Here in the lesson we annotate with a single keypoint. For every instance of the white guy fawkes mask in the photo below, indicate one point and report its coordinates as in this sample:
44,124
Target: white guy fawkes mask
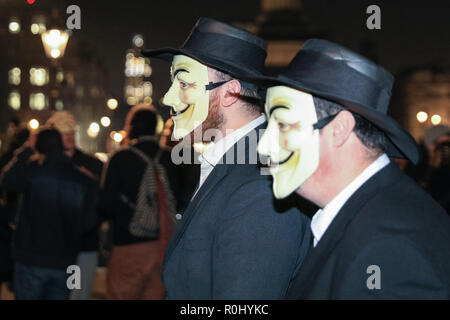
188,96
290,139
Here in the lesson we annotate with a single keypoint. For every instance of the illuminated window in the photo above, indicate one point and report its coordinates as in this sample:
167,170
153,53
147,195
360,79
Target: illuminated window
60,76
14,25
148,88
38,28
14,100
14,76
59,105
38,76
147,70
135,67
38,101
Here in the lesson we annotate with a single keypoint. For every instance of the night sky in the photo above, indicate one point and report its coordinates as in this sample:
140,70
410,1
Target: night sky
414,33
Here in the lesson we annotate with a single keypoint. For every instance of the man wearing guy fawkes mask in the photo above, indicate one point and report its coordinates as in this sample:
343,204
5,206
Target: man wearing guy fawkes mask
377,235
231,242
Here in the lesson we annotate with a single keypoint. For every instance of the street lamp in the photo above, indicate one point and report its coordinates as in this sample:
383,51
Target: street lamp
55,42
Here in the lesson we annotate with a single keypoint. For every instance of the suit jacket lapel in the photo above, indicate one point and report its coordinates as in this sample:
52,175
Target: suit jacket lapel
317,257
216,175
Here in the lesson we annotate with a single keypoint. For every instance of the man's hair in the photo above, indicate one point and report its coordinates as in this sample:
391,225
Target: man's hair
248,96
143,123
370,136
49,141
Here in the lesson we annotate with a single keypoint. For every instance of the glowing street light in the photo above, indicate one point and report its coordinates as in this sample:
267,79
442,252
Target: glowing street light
93,130
14,27
55,42
112,104
33,124
117,137
436,119
422,116
105,121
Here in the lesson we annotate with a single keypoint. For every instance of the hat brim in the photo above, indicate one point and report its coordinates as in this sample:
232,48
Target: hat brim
400,144
233,69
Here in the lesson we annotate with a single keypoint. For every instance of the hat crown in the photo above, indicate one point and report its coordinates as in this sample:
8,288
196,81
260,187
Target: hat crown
209,25
353,60
221,46
342,73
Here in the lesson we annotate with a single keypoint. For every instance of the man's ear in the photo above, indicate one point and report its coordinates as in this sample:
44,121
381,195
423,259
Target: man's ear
342,127
229,92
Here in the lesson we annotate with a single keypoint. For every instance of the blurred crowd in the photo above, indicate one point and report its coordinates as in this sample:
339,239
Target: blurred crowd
60,207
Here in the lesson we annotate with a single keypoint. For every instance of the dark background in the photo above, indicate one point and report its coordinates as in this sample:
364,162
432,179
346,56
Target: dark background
413,33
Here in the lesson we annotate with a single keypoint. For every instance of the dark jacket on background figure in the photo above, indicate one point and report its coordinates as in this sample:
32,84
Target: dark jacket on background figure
57,207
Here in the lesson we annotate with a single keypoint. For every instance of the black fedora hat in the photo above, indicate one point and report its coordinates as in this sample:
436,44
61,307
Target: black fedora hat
335,73
221,46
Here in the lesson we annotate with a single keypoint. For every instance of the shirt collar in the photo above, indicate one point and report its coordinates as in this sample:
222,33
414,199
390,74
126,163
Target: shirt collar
323,217
215,150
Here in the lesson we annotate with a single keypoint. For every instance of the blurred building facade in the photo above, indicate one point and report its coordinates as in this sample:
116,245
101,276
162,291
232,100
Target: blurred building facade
425,98
32,85
138,87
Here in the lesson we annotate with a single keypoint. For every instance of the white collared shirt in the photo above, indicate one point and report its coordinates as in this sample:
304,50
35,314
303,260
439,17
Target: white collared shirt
323,217
215,151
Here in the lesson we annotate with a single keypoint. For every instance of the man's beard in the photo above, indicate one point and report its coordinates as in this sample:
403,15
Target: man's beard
213,123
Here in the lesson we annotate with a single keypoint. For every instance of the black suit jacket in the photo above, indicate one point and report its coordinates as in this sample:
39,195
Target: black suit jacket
390,223
234,241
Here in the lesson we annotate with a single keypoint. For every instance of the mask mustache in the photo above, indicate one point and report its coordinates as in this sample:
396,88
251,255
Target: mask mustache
174,113
271,163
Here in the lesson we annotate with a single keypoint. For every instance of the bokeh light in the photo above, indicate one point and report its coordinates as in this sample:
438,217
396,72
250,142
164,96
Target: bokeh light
422,116
436,119
33,124
105,121
112,103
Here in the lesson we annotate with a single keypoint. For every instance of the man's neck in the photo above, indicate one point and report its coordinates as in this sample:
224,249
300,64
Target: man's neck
325,185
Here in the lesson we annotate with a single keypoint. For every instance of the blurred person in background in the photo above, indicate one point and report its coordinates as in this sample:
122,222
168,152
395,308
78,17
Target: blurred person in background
134,267
8,209
439,181
57,207
65,123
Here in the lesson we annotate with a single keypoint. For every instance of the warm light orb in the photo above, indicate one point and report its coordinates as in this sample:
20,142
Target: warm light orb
94,127
436,119
55,53
112,104
118,137
422,116
33,124
105,121
14,27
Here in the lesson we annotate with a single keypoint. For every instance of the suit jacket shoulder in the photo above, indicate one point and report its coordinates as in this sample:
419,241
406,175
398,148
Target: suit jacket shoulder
390,223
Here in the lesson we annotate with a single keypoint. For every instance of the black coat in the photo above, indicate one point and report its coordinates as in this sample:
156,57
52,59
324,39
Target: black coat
57,207
390,222
234,241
